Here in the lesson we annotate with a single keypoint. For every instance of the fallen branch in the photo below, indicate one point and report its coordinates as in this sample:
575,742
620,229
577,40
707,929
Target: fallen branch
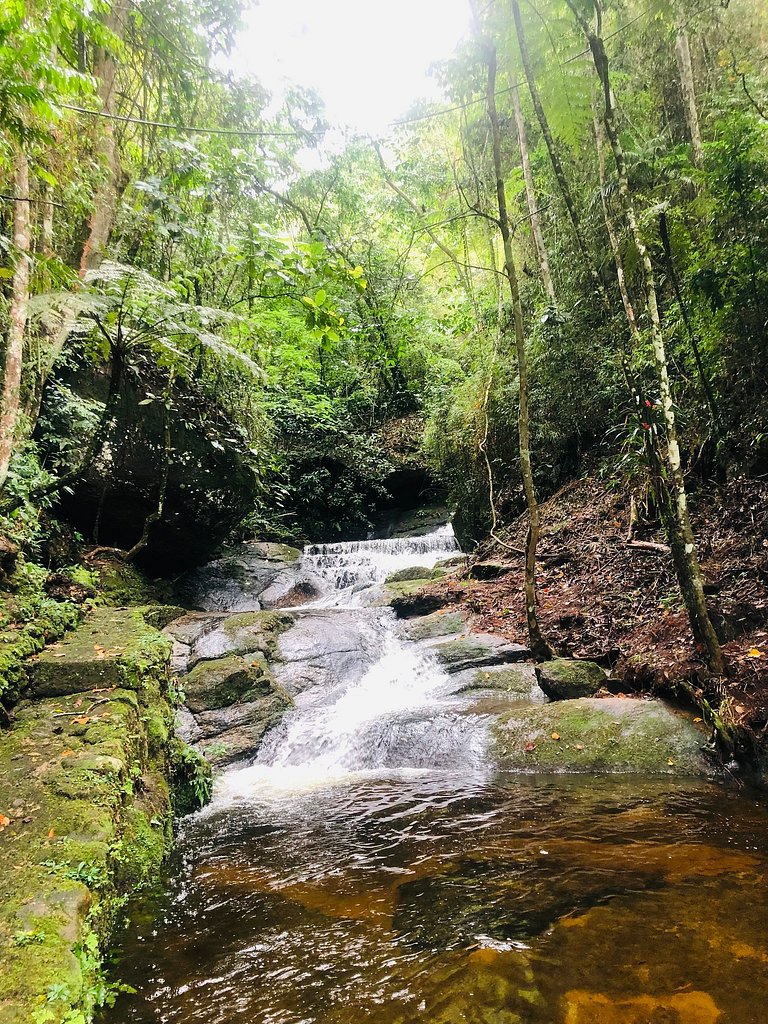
649,545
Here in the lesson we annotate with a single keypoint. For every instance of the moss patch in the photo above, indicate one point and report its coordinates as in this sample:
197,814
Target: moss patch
85,793
593,735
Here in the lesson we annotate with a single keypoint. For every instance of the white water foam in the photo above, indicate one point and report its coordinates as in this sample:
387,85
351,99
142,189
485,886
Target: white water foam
351,729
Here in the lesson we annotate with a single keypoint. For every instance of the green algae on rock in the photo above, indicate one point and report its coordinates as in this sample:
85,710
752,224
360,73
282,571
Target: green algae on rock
607,735
568,679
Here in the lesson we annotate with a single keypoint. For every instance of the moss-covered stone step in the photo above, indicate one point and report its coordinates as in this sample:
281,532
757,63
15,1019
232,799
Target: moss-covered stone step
85,811
613,734
112,647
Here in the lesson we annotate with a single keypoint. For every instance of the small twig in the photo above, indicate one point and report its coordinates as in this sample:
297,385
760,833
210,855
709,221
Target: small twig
80,713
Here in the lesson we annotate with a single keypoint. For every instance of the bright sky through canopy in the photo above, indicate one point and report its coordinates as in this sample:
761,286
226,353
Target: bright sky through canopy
368,59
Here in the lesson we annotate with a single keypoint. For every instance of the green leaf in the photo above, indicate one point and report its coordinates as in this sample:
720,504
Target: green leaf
320,297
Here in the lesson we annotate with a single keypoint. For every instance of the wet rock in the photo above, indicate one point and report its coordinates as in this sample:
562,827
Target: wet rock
478,649
246,578
228,734
323,647
225,681
439,624
568,679
210,637
593,735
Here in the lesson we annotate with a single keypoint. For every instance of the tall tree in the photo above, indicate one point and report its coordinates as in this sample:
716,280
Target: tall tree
539,646
685,66
10,398
530,195
676,513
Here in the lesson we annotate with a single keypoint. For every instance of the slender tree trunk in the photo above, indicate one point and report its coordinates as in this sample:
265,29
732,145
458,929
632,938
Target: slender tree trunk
162,490
683,53
539,647
105,200
10,397
613,237
554,156
676,514
530,195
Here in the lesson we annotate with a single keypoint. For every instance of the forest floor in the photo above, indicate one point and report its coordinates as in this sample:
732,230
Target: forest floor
603,599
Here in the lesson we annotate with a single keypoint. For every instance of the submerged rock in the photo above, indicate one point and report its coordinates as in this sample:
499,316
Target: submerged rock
568,679
593,735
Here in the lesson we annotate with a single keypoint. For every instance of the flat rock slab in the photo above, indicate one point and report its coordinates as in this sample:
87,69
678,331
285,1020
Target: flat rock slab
437,625
517,681
476,650
110,648
601,736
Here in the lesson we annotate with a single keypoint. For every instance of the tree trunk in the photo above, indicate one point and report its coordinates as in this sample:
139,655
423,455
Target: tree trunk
557,166
530,195
10,398
683,53
613,237
105,200
539,647
676,515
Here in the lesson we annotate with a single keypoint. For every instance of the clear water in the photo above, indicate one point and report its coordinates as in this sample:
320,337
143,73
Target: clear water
369,865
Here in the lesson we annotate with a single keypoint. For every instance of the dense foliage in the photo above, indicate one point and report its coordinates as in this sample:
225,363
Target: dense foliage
198,300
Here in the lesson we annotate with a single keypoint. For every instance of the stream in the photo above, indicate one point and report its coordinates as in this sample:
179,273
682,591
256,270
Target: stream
371,863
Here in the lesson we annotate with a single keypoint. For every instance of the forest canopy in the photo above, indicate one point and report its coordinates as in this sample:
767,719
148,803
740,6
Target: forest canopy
563,262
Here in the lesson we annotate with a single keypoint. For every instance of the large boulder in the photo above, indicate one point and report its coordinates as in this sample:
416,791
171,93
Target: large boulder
248,577
567,679
600,735
212,479
325,647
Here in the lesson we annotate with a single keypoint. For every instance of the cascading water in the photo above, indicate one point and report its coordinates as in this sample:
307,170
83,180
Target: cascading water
370,865
372,723
351,568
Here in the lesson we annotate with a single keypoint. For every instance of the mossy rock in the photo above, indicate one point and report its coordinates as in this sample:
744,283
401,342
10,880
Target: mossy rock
242,633
593,735
438,624
112,647
519,680
225,681
413,572
568,679
408,600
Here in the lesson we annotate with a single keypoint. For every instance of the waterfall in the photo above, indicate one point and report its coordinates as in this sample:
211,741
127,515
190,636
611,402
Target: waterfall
374,722
350,567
